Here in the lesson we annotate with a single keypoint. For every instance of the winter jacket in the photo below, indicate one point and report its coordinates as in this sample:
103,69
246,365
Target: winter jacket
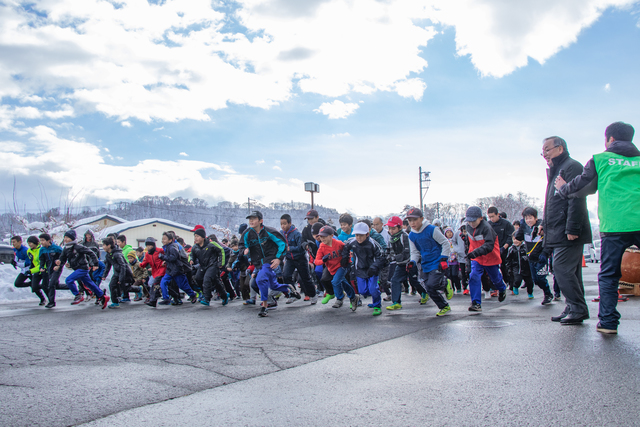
588,182
125,250
504,230
48,256
293,239
483,244
343,237
210,254
22,259
428,247
121,268
175,263
138,271
534,242
34,258
98,273
92,243
76,255
334,253
518,261
400,248
158,269
564,216
459,246
378,238
366,255
264,246
308,237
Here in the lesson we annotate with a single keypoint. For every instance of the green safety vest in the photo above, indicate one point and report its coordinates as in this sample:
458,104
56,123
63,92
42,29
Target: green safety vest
618,192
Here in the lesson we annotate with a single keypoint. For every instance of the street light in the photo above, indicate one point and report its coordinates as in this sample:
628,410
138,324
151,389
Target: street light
311,187
425,183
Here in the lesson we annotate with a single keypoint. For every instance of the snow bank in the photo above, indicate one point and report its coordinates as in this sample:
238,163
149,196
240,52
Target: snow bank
9,293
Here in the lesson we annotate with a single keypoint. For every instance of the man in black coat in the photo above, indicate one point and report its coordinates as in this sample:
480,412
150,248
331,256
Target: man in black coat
566,230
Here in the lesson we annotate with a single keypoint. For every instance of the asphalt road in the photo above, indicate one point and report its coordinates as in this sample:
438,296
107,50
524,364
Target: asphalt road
314,365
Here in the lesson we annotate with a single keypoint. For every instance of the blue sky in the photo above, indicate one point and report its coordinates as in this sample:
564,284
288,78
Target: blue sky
261,96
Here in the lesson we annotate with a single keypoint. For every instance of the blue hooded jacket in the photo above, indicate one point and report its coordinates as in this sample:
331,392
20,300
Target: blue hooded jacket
294,243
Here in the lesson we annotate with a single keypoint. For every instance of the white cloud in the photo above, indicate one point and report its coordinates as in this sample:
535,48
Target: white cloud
278,162
166,136
126,124
500,36
411,88
607,87
277,168
337,109
340,135
157,129
184,154
259,162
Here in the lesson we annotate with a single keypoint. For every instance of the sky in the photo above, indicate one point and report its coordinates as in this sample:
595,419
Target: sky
104,101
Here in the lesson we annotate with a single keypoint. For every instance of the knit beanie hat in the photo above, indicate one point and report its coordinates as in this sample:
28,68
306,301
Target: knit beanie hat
200,232
71,234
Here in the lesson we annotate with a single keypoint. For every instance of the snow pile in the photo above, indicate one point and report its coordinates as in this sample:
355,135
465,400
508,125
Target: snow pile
9,293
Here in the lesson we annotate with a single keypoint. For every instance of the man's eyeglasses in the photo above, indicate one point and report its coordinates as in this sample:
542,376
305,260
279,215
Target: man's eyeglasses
547,151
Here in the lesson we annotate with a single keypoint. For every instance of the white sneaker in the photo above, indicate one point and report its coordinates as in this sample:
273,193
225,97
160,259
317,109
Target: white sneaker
487,295
314,299
291,299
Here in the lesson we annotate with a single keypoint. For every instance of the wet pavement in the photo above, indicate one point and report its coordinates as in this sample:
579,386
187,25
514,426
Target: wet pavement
315,365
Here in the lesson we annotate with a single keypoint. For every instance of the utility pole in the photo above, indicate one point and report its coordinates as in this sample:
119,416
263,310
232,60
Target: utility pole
425,183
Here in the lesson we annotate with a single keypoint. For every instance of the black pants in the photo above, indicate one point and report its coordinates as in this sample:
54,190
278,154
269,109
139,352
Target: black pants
208,280
302,266
34,283
245,280
117,289
433,283
464,275
228,286
528,281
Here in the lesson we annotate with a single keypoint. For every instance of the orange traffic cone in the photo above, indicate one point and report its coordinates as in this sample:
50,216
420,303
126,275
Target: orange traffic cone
584,264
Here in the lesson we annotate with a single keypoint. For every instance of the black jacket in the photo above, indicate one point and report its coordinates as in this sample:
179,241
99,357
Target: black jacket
308,237
365,256
121,268
77,255
517,260
528,235
208,255
176,265
263,247
504,229
564,216
400,248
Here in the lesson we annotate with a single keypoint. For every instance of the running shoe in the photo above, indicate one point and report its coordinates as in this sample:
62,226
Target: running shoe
516,291
307,298
164,302
125,300
50,305
387,298
475,307
337,304
604,330
327,298
272,305
104,300
353,302
424,297
502,295
294,293
557,297
250,301
194,298
377,311
78,299
449,289
487,295
226,300
465,292
114,305
494,293
151,303
530,296
205,302
547,299
314,299
396,306
263,312
443,311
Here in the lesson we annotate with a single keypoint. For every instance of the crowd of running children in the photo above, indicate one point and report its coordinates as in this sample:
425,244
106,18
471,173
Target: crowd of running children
363,259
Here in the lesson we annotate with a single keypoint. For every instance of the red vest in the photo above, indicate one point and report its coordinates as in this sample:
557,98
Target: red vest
492,258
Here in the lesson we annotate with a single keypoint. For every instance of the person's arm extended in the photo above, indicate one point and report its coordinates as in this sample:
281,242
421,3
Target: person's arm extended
581,185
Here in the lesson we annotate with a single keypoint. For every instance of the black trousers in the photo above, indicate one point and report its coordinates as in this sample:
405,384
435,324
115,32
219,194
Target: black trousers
208,280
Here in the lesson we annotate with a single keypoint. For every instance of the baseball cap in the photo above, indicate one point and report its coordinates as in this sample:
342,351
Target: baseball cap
394,221
473,213
197,227
326,231
414,213
315,228
361,228
255,214
311,214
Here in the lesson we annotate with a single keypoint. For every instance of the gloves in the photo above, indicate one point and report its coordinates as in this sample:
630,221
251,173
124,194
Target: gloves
372,271
326,258
410,266
472,255
344,262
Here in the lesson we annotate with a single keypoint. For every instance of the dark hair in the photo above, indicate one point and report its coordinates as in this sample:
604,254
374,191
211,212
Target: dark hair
405,222
530,211
45,236
225,240
345,218
492,210
620,131
112,235
169,235
366,221
139,249
180,240
33,239
122,238
557,142
286,217
214,238
516,223
109,242
17,238
503,215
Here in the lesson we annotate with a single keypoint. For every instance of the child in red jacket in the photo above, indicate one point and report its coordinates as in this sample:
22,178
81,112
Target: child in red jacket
330,254
158,270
